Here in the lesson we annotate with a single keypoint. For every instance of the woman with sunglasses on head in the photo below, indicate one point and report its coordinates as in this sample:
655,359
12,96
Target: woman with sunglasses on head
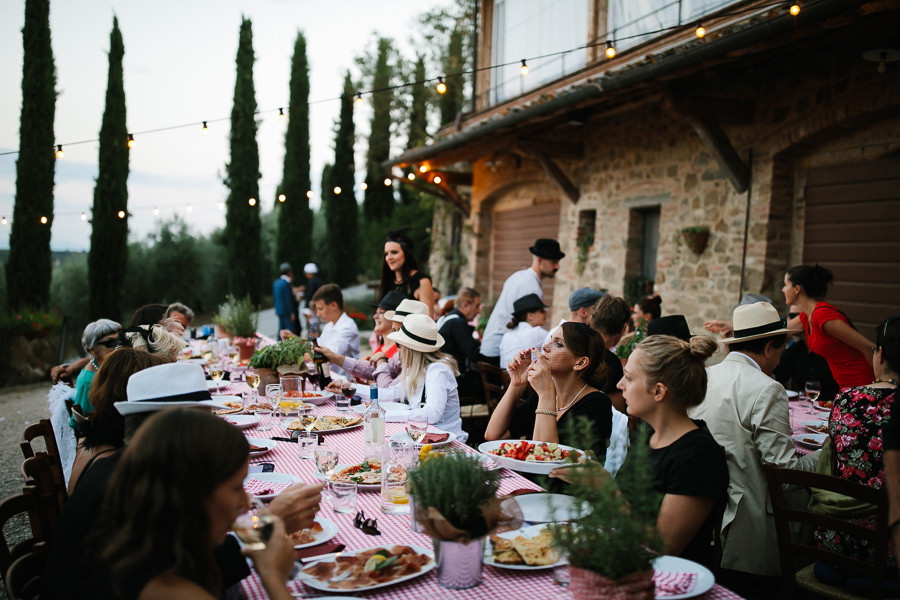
400,270
829,332
567,379
98,340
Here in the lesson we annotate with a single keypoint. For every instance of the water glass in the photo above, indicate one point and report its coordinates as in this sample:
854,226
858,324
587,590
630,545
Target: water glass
273,396
342,400
307,442
254,527
343,497
326,459
417,423
265,418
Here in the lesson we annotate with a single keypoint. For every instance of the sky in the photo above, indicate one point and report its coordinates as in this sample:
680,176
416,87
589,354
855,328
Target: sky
179,68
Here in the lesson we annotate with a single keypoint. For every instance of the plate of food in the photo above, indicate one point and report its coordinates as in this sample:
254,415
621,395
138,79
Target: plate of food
367,475
674,565
547,508
330,423
242,421
322,530
816,426
526,549
811,440
266,486
259,446
823,405
316,397
529,456
434,437
368,569
233,405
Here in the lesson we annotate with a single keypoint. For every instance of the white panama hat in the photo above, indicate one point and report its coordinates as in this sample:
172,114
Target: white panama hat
754,321
418,332
405,308
167,386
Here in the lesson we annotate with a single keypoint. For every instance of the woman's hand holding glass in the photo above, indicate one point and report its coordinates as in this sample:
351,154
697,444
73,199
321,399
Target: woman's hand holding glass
540,379
518,368
274,561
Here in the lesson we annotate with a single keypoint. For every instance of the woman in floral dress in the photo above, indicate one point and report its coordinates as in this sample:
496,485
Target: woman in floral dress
855,428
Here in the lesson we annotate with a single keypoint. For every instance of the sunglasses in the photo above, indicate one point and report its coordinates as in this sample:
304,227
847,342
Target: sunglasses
368,526
111,344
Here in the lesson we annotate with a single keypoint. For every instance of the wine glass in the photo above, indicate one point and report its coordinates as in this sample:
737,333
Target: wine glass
252,380
254,527
417,423
326,459
273,396
307,417
217,372
813,389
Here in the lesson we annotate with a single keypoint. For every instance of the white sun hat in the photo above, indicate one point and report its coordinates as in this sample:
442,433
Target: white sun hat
418,332
167,386
754,321
405,308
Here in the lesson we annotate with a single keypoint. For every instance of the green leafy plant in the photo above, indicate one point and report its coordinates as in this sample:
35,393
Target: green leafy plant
629,343
238,317
456,485
609,523
30,322
286,352
585,243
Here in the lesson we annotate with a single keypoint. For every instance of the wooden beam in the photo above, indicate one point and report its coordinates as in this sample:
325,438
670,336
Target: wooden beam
441,190
559,177
723,110
716,141
550,148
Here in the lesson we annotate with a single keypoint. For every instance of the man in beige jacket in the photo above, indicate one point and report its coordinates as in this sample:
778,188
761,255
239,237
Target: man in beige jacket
747,413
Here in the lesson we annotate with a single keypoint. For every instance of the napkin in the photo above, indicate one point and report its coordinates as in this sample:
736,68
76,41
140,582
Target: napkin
257,487
523,491
435,438
670,583
254,448
326,548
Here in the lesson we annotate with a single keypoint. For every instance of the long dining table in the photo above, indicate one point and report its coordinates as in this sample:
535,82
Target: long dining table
497,583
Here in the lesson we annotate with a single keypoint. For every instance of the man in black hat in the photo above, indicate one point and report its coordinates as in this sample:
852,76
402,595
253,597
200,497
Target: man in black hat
546,255
283,295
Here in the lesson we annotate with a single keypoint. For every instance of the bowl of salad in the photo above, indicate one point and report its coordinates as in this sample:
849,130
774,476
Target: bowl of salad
529,456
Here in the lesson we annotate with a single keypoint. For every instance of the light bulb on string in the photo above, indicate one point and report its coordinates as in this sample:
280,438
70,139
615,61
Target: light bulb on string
441,86
59,152
411,176
84,216
155,210
524,70
221,205
252,201
282,197
309,193
281,115
131,140
423,168
359,98
794,9
3,221
121,214
700,30
387,182
43,220
610,50
364,186
437,179
205,128
337,190
189,208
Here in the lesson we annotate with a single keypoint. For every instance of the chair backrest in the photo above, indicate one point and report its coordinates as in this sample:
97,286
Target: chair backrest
494,381
11,507
23,577
42,475
785,514
41,429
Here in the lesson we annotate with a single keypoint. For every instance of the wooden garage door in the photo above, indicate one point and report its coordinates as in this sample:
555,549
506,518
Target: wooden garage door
515,232
852,219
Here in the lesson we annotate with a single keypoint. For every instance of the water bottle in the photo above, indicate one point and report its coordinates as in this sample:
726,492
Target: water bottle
373,429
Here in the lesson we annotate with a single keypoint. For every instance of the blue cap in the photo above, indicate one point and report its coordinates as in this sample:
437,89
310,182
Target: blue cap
584,297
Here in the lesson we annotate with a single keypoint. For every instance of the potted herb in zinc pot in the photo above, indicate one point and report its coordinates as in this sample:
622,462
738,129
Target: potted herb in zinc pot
287,357
238,317
455,502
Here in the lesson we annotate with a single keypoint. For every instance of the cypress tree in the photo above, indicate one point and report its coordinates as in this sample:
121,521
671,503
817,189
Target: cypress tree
108,258
341,209
418,115
242,224
451,102
379,198
29,266
294,234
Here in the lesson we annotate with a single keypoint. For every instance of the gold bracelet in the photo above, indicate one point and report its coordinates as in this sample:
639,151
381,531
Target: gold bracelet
544,411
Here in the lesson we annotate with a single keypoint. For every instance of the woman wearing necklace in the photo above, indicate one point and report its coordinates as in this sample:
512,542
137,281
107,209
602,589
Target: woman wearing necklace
566,379
98,339
855,427
400,270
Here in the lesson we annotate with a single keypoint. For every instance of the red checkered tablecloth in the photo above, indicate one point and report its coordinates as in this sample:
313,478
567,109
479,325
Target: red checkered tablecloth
496,583
801,410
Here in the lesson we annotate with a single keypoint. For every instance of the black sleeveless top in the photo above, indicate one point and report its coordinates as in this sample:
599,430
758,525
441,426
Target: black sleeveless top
407,288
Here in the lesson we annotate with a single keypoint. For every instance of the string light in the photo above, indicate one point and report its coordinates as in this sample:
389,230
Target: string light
281,115
121,214
411,176
59,152
441,86
309,193
337,190
700,31
205,128
437,179
359,98
365,186
282,197
84,216
155,210
423,168
131,140
221,205
187,208
43,220
3,221
795,8
387,182
524,70
610,51
252,201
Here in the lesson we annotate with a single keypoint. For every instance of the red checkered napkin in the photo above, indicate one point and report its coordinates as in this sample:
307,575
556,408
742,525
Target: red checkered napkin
669,583
257,487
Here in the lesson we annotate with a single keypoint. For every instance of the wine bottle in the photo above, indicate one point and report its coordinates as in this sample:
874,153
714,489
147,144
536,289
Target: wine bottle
373,428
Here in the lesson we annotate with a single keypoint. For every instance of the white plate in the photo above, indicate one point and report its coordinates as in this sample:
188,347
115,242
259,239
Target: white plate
792,395
329,530
818,407
547,508
403,436
487,462
242,421
363,487
534,467
323,586
261,442
801,438
674,564
319,398
272,478
288,420
811,425
529,532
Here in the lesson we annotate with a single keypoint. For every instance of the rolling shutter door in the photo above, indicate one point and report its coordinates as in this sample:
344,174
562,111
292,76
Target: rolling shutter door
515,232
852,219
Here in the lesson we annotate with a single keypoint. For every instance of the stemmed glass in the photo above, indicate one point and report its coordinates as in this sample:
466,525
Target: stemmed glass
326,460
273,397
254,527
813,389
307,417
417,423
252,380
217,372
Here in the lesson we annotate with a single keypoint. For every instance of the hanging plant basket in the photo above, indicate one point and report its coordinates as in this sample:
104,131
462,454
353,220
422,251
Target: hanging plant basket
695,238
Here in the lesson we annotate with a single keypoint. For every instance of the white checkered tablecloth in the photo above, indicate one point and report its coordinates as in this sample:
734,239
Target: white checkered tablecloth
496,583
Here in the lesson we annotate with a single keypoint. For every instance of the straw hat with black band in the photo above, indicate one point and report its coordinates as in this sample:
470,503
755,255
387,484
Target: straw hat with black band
754,321
418,332
167,386
405,308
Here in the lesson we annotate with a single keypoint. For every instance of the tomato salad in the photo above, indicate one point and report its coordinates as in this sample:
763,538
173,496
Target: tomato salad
541,452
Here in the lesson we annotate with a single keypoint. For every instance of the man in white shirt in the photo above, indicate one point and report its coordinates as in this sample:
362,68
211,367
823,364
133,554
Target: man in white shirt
340,333
544,265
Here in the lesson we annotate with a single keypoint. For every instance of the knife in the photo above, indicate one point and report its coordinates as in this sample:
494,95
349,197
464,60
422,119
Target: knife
284,439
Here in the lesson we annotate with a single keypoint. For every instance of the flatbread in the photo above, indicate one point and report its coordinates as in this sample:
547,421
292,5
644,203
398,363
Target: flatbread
535,551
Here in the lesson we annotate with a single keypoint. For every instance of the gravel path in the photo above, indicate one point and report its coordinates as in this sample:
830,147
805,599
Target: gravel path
19,406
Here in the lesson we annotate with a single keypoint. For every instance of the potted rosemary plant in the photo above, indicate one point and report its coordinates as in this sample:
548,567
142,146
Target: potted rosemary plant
287,357
455,502
238,317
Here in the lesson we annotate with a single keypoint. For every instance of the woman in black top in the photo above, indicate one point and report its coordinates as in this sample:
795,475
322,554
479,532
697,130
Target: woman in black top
567,379
400,271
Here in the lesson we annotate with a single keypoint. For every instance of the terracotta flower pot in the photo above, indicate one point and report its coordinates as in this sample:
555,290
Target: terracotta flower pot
587,585
266,376
696,240
245,347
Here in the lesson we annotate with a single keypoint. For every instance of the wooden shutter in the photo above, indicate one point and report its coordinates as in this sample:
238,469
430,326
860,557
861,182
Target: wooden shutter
515,232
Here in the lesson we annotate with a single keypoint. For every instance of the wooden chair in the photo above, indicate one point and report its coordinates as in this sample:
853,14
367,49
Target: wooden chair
49,486
42,429
789,549
12,507
494,380
23,577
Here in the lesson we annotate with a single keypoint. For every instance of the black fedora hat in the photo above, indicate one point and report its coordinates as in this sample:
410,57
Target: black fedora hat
547,248
528,303
675,325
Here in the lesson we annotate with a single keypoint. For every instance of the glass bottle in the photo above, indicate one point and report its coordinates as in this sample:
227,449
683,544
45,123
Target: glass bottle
373,428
